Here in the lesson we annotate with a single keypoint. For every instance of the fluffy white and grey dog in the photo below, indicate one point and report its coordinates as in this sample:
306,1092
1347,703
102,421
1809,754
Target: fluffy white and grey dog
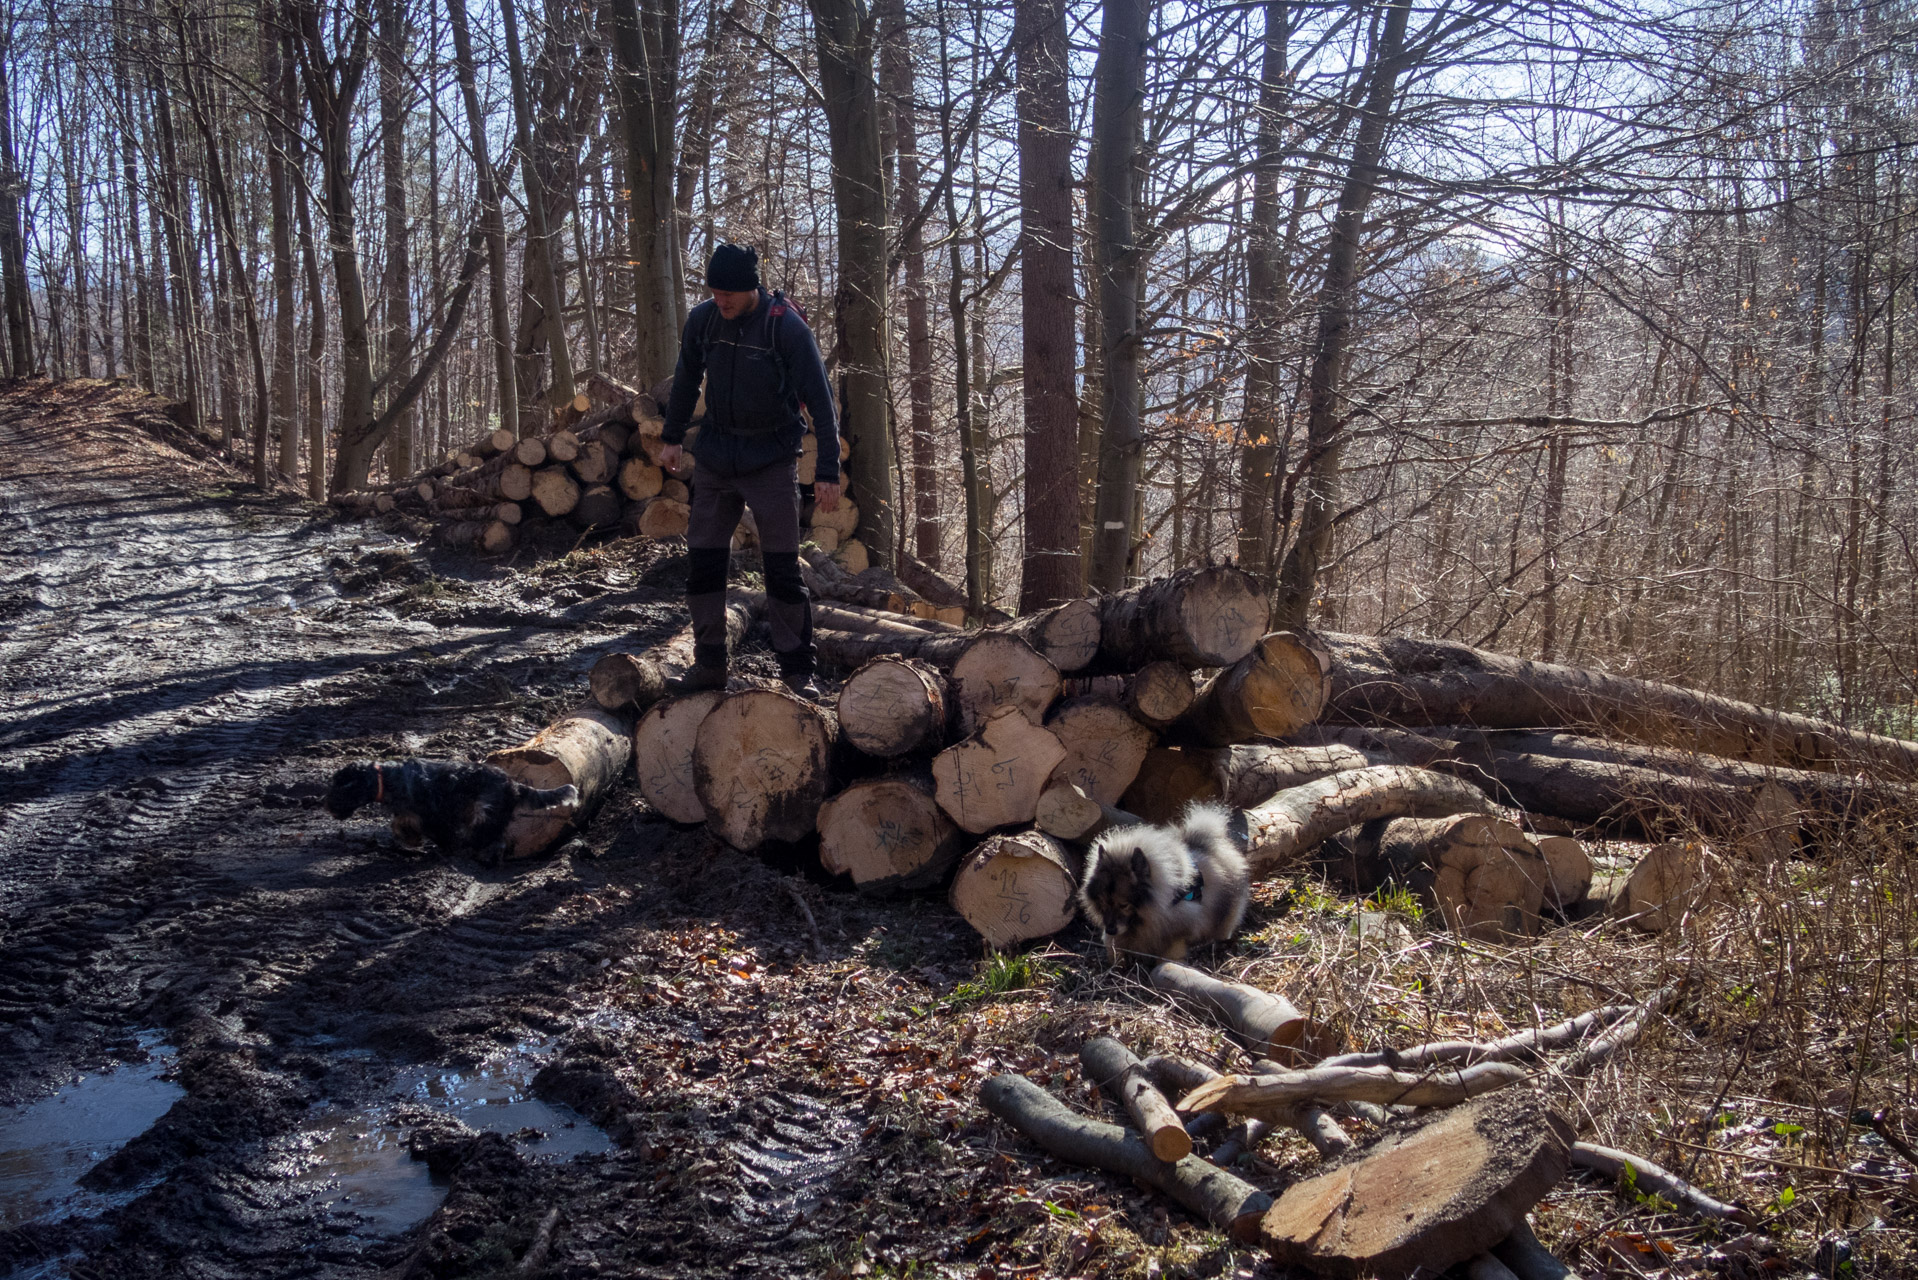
1156,890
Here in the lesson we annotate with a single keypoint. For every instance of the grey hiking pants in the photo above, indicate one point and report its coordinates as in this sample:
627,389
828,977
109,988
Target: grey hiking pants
718,502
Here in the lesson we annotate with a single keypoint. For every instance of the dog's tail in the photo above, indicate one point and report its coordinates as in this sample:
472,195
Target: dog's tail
1205,826
566,797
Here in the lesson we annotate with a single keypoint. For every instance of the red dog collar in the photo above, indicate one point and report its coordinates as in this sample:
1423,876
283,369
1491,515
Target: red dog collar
379,776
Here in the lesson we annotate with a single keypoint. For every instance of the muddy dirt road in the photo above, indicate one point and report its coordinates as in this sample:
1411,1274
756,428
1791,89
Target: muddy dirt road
325,1057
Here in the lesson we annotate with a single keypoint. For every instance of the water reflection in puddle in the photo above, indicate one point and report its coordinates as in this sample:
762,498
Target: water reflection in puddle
359,1163
46,1146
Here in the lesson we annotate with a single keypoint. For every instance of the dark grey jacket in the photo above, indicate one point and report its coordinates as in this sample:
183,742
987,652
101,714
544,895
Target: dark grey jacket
758,371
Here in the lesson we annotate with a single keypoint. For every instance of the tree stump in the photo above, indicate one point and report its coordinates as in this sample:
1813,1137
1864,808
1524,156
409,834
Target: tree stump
663,745
1104,746
893,707
1425,1200
762,764
889,834
994,778
1275,690
1017,887
999,670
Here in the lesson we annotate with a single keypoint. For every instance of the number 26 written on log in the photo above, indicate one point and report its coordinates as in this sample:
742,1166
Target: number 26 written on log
1018,906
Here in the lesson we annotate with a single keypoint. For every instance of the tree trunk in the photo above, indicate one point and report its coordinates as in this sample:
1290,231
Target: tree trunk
646,59
663,743
1299,819
277,73
1338,295
1422,682
998,671
1018,887
1268,1025
1268,285
1219,1198
889,834
762,764
492,220
847,39
621,680
1104,746
1115,1072
893,707
1051,570
540,242
1482,875
396,290
13,243
994,778
1275,690
588,749
1116,175
1198,617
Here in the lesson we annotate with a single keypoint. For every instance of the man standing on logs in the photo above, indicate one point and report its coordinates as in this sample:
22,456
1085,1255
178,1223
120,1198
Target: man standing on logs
760,364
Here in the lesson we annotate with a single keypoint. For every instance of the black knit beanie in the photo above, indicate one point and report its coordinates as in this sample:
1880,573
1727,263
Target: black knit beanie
734,269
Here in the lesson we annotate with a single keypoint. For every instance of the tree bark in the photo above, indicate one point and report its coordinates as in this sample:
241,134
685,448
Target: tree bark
1267,1024
540,241
1338,296
1406,682
1299,819
492,220
588,749
1051,571
847,39
396,290
1117,1074
646,59
1115,179
1268,289
1208,617
621,680
1275,690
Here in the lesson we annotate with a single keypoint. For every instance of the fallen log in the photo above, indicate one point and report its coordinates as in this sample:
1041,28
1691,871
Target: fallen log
1226,1202
1170,778
1104,746
1527,1259
762,765
1067,634
1179,1076
1117,1074
1201,617
998,670
1268,1025
599,506
1427,1200
1641,1177
1276,689
994,778
1482,874
1671,881
640,479
1016,888
889,834
1156,694
1527,1045
1405,682
1568,872
596,463
623,680
1298,820
489,536
1254,773
927,583
1066,812
588,748
663,744
562,446
555,491
1271,1095
892,707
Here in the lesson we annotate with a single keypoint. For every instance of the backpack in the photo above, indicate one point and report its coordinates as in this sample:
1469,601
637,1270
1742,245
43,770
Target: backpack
780,305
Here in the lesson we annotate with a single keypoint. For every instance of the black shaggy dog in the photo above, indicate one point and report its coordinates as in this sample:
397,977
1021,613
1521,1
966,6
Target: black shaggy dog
462,808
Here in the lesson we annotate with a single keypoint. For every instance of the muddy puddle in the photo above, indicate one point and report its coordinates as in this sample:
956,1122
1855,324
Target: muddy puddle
46,1146
356,1161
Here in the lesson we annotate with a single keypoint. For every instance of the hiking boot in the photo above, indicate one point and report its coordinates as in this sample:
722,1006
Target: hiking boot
801,683
700,677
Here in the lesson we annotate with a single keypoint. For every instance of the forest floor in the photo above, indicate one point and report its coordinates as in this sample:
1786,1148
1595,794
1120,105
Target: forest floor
647,1055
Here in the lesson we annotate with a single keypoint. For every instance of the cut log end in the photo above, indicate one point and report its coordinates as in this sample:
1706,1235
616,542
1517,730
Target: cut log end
994,779
894,707
1016,888
762,765
663,745
888,834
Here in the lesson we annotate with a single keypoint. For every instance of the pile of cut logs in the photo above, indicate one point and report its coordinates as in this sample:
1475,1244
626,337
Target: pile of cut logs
598,468
985,760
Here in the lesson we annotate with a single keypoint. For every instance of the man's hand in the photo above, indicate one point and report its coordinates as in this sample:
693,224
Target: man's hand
670,455
825,495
